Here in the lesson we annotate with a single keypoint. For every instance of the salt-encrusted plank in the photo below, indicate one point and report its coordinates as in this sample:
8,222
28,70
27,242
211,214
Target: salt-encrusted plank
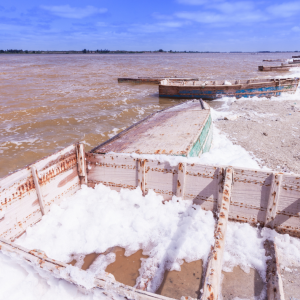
18,193
115,171
273,200
273,278
288,210
19,202
60,186
162,178
81,163
142,174
38,189
58,269
181,171
202,184
250,195
212,281
55,158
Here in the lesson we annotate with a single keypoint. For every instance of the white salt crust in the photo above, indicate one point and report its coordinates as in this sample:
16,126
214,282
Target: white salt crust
244,244
94,220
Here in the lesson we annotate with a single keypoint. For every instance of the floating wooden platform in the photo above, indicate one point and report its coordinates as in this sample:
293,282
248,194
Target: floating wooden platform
155,80
184,129
211,90
253,196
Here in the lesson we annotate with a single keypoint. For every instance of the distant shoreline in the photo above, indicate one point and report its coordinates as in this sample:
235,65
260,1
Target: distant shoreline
136,52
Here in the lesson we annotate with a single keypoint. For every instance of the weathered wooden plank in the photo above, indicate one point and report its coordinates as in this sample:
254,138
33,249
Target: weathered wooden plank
202,185
55,158
273,200
58,269
212,281
115,171
18,194
162,178
81,163
38,189
181,180
250,195
273,278
142,174
60,186
287,219
18,200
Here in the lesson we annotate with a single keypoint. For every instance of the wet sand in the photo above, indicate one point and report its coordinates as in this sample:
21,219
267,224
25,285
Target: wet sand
270,129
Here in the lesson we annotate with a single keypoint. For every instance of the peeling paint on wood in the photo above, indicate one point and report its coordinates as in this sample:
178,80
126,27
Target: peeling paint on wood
211,90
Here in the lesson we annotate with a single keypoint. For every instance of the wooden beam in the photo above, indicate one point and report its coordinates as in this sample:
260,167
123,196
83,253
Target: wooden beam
181,180
212,281
273,200
81,163
142,174
38,189
274,281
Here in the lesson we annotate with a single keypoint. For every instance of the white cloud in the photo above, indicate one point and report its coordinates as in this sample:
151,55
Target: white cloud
296,29
286,9
156,27
66,11
207,17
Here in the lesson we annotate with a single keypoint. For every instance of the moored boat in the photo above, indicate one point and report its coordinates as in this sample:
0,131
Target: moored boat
211,90
274,68
258,197
184,129
155,80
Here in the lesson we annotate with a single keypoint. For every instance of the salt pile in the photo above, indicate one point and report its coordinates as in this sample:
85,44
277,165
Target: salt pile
93,220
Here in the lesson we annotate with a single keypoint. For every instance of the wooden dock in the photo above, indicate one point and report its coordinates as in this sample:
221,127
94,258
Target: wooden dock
184,129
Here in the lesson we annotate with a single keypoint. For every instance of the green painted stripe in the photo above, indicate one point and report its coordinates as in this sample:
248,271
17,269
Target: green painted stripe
203,143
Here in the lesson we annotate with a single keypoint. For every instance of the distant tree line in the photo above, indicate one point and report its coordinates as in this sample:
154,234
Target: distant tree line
106,51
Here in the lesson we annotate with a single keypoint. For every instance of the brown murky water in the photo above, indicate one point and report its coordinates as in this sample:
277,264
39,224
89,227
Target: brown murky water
175,284
50,101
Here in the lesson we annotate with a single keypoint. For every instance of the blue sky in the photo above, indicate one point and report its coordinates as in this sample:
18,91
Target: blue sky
202,25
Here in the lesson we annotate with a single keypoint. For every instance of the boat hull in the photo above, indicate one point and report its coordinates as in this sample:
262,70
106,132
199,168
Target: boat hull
182,130
154,80
269,89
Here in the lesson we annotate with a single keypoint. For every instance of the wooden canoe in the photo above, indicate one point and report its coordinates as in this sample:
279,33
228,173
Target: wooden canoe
238,194
184,129
211,90
294,61
272,60
291,65
274,68
155,80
